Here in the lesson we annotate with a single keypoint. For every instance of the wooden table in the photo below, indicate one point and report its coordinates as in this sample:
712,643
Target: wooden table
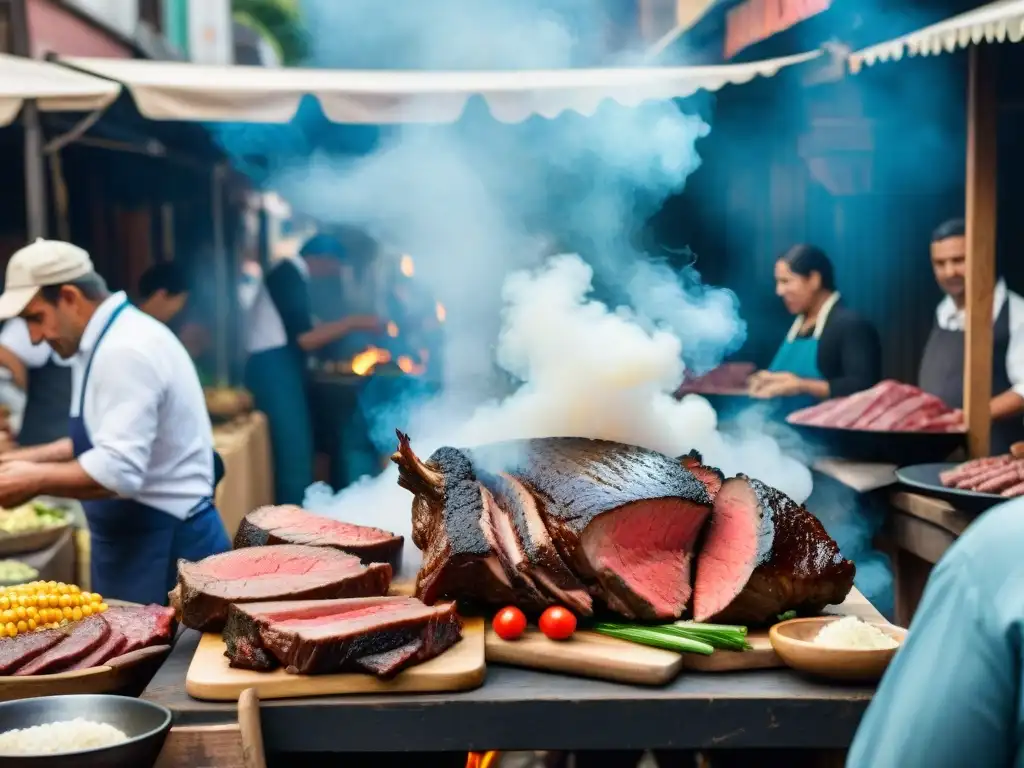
519,709
921,529
248,482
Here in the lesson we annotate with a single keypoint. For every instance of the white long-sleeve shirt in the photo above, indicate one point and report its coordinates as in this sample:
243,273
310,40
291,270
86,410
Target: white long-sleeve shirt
144,411
950,318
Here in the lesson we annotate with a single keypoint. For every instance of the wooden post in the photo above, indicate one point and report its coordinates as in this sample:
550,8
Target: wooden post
981,245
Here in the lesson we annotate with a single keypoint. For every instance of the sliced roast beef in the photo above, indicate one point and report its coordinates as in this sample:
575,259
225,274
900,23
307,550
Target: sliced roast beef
451,527
19,651
142,626
712,477
621,516
85,636
329,636
283,572
540,559
294,525
763,555
110,648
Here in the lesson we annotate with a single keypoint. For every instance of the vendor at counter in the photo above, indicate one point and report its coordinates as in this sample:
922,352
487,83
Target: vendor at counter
942,365
830,350
140,454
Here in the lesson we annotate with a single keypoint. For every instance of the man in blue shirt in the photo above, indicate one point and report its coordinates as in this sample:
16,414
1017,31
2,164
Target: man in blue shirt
953,695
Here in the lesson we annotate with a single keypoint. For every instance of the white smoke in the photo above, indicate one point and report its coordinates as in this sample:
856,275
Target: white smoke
473,203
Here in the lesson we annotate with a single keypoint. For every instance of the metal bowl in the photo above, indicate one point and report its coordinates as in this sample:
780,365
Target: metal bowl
146,725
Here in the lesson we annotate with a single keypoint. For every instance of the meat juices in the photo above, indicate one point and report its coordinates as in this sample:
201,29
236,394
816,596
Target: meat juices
294,525
282,572
763,555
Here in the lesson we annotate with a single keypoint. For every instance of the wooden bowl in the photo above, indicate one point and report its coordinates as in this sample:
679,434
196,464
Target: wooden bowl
793,643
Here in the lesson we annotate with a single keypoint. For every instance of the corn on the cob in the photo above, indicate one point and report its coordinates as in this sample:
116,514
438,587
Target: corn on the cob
44,605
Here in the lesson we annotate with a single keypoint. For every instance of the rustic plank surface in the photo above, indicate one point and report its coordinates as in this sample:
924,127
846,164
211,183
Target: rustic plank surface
459,668
589,654
525,709
931,510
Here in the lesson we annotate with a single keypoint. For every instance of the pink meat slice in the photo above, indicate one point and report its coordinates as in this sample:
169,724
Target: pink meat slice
861,403
894,416
889,398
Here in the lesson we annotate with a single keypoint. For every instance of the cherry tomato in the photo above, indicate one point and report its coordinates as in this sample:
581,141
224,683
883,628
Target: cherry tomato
509,623
557,623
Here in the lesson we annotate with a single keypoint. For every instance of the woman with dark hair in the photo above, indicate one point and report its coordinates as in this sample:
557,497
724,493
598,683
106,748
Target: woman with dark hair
830,350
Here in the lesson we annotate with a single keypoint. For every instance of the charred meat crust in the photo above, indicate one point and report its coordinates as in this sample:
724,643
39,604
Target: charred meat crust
798,565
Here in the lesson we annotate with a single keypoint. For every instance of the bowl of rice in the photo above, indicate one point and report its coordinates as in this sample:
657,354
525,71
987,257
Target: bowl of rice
94,731
838,648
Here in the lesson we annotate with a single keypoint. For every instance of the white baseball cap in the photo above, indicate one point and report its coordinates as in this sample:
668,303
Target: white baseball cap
44,262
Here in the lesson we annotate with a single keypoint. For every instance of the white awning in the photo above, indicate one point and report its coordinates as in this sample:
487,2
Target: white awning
994,23
55,88
182,91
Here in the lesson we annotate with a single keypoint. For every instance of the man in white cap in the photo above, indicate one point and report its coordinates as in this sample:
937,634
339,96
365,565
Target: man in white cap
140,453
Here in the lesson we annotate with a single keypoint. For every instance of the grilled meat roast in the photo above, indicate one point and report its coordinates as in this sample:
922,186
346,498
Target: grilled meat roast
623,519
574,521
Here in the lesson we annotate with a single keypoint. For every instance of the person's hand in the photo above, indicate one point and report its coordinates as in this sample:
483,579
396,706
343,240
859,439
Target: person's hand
370,323
19,483
778,384
756,380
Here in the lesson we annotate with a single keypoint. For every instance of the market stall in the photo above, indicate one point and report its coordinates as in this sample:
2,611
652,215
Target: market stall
244,445
922,526
451,685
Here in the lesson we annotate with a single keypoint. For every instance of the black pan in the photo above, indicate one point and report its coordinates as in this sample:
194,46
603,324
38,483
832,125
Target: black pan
925,478
900,448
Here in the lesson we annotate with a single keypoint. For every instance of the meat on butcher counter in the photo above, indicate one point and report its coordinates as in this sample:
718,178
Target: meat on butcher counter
1000,475
887,407
89,643
599,525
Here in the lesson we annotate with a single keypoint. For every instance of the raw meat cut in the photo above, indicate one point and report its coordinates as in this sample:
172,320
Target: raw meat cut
85,636
728,378
382,635
624,519
294,525
887,407
1002,475
763,555
18,651
540,560
282,572
712,477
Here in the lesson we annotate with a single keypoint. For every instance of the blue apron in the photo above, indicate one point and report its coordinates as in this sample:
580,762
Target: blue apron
798,356
134,547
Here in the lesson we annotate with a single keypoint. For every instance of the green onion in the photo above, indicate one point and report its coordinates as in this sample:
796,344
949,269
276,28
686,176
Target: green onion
652,636
786,616
691,634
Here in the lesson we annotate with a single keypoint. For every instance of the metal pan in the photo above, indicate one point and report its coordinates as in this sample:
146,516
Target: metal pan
899,448
924,478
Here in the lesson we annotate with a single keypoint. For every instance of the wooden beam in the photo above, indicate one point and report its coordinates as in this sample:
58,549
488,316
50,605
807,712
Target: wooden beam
982,117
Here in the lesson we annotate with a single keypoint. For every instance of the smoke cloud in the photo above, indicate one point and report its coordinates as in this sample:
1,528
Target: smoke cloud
595,342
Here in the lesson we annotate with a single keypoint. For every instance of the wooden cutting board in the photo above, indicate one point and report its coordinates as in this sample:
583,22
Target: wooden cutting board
459,668
592,655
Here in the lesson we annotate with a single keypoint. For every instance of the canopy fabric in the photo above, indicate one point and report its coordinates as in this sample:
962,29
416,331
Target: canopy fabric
55,88
994,23
180,91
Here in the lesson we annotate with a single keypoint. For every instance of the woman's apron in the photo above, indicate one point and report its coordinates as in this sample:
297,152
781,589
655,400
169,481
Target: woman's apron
849,518
135,547
47,403
942,374
799,356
